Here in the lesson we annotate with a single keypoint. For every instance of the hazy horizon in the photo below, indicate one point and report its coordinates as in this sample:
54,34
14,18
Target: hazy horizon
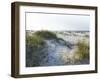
61,30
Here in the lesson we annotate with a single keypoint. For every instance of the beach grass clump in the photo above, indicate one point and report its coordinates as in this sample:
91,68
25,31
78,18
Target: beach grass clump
37,38
46,34
34,40
36,47
82,50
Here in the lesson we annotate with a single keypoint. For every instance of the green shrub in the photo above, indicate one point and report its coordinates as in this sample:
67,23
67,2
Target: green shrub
82,50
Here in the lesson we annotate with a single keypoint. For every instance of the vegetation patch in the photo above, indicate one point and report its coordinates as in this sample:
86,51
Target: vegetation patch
34,40
38,44
82,50
36,47
46,34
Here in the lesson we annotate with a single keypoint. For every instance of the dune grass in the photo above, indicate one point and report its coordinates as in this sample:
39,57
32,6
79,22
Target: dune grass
35,47
82,50
34,40
37,38
46,34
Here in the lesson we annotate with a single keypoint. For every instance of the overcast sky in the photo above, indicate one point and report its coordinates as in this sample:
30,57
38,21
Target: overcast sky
57,22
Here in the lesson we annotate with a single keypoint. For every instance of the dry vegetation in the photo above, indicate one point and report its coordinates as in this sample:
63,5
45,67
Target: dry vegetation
36,48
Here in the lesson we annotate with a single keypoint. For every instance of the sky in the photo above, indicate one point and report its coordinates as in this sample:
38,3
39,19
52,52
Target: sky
57,22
